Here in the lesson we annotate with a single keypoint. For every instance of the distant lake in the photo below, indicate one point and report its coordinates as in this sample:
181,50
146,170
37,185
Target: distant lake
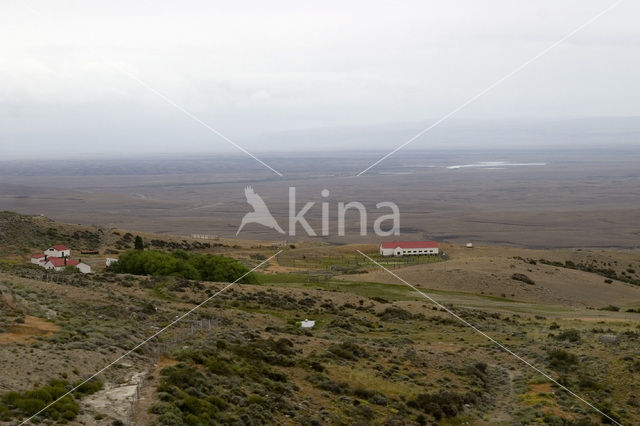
494,165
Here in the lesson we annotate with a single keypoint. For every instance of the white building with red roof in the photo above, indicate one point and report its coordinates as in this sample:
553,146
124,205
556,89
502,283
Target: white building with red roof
408,248
38,259
59,263
57,258
58,251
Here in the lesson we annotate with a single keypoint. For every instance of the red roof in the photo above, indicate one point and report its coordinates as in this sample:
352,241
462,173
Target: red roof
37,256
60,247
59,262
409,244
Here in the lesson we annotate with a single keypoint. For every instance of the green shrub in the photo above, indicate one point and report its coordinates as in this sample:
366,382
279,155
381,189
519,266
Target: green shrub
208,385
325,383
522,277
611,308
442,404
275,352
570,335
256,399
371,396
89,387
588,383
30,406
561,360
31,402
5,412
347,350
393,313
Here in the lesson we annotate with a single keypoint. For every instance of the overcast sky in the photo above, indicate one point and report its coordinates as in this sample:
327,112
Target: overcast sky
259,70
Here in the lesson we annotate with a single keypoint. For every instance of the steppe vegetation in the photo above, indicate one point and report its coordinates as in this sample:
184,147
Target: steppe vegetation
379,353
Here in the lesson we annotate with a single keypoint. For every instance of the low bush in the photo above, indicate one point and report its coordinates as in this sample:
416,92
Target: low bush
347,350
570,335
561,360
325,383
442,404
611,308
393,313
371,396
522,277
29,403
208,384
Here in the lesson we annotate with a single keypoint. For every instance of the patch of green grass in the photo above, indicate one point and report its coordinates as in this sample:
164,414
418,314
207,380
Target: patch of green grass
263,278
372,290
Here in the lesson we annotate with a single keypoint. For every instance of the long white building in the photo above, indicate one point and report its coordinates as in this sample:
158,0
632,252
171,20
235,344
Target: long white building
408,248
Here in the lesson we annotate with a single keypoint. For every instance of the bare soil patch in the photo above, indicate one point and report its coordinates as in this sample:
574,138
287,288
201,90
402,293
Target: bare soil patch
33,326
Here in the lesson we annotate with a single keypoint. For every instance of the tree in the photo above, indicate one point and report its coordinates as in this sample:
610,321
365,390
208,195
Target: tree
205,267
138,244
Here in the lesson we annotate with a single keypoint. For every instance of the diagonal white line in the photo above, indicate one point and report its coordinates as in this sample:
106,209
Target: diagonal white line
159,94
500,345
192,116
495,84
145,341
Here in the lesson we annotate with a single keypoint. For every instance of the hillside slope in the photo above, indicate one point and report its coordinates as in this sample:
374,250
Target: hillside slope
489,270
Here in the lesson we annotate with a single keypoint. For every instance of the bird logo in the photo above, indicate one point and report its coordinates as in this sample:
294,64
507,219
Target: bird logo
260,213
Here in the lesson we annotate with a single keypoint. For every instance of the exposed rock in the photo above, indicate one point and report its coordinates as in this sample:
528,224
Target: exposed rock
608,339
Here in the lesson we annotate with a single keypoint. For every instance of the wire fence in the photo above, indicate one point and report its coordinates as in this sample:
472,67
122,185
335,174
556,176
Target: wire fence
348,263
160,348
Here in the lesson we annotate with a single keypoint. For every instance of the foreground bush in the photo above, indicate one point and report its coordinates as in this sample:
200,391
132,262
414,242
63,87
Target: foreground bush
209,384
443,404
28,403
561,360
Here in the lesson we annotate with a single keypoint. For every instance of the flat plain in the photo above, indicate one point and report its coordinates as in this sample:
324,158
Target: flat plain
547,199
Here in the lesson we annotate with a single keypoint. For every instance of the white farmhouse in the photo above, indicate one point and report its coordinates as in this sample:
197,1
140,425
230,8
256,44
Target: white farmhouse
58,251
408,248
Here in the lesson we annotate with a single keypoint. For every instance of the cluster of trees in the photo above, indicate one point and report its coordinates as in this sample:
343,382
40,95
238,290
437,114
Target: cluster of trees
204,267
